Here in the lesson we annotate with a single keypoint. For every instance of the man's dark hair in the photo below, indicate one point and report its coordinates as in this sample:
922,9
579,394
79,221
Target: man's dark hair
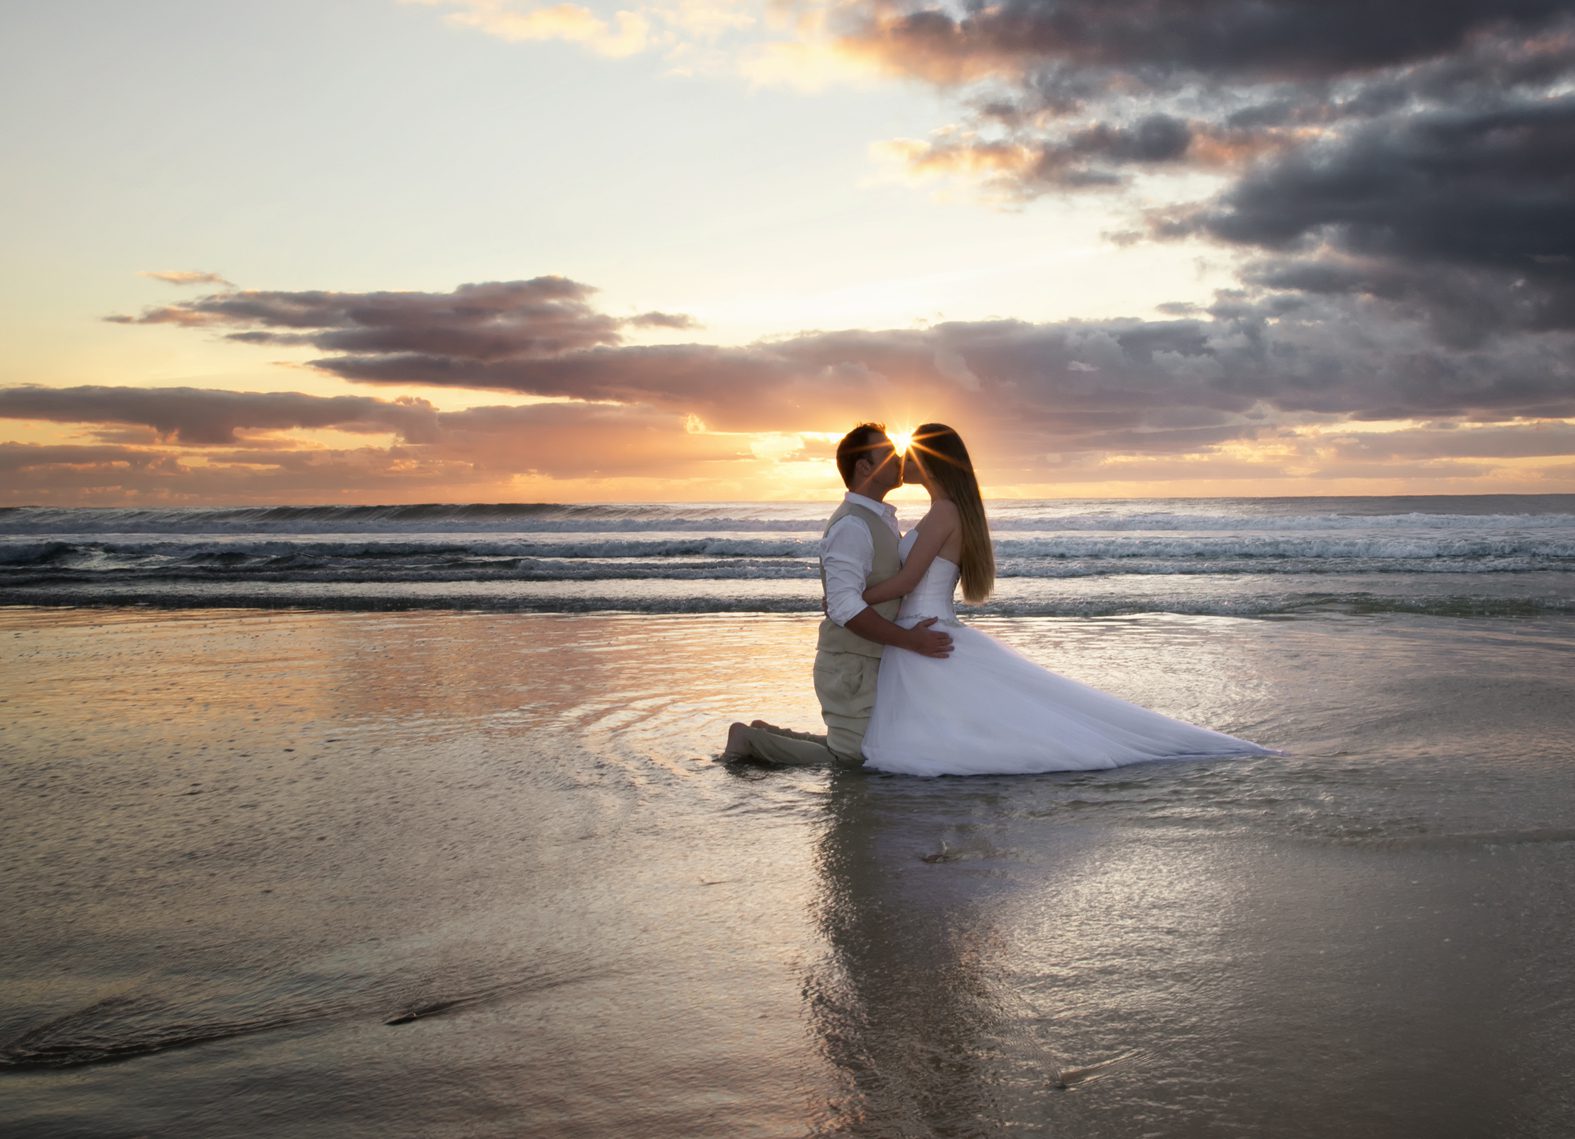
855,445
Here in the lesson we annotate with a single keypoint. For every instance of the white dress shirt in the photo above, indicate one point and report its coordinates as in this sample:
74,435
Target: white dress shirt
848,554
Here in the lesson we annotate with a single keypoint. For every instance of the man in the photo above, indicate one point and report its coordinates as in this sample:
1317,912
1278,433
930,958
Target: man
858,550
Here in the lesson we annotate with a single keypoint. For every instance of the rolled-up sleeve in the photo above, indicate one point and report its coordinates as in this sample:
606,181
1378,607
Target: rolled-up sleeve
848,553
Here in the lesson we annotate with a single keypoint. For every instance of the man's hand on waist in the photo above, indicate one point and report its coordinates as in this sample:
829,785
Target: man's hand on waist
929,642
920,639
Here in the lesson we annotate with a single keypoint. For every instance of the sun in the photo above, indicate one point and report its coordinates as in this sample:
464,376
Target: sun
901,438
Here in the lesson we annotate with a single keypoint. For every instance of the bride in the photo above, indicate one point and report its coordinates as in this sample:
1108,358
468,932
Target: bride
988,710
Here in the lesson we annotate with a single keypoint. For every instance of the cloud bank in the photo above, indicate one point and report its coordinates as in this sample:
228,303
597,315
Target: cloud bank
1305,339
1271,381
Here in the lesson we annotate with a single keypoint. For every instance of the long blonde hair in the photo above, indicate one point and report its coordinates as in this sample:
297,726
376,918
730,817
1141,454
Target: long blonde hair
941,455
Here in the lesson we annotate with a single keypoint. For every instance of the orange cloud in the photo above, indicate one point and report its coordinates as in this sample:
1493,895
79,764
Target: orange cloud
628,33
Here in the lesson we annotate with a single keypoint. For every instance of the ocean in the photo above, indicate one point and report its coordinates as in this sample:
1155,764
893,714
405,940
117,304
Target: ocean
408,821
1240,557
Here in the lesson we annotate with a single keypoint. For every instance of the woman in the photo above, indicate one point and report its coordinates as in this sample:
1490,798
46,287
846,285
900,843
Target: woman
987,710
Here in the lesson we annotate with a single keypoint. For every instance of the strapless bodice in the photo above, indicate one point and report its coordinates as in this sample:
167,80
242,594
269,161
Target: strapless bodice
932,597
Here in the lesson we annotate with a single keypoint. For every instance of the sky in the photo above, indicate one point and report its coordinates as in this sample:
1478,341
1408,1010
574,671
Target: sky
390,251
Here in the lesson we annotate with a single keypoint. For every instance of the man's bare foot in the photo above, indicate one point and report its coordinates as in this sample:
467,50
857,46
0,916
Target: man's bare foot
737,742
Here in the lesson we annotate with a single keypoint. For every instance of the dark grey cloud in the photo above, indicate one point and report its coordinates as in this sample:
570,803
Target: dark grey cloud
1085,94
199,416
1089,157
539,317
1069,377
1400,179
664,320
1416,186
1153,42
1320,332
1307,336
1466,217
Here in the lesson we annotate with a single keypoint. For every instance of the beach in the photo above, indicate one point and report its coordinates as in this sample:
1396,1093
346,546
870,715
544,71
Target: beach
421,427
302,872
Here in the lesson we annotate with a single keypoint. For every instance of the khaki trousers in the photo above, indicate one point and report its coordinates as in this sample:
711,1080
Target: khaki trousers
845,684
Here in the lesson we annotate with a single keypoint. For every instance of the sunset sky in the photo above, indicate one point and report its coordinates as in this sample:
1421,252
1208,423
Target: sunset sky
494,250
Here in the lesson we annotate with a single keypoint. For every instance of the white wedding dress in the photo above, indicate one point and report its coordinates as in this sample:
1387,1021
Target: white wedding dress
988,710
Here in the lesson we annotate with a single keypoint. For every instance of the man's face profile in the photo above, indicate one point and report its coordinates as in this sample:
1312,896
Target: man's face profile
885,463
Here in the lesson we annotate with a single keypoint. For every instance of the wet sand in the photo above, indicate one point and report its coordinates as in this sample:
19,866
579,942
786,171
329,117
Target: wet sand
477,874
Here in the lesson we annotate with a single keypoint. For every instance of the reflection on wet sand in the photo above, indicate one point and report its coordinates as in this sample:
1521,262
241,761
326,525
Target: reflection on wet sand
975,969
905,1002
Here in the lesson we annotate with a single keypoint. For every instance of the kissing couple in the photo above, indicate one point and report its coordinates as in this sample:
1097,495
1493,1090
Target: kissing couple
905,687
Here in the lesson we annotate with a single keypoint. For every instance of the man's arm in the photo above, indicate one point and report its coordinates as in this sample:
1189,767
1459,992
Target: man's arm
847,552
920,639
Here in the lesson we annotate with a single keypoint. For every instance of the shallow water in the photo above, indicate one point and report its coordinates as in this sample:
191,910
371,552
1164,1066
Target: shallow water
453,873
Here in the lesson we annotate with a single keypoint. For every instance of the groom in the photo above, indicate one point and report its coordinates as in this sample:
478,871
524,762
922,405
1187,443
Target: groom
859,550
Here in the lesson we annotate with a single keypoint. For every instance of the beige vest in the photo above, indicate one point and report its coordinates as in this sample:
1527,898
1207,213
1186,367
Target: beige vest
833,637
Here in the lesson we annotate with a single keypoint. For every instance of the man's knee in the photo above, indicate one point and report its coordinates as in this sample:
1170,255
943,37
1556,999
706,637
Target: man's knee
845,739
